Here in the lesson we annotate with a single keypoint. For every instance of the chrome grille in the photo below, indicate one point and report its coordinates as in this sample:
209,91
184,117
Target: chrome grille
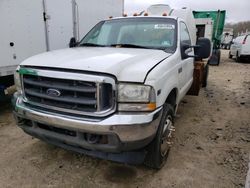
74,96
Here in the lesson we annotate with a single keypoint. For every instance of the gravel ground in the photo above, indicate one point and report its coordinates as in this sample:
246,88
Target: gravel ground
211,148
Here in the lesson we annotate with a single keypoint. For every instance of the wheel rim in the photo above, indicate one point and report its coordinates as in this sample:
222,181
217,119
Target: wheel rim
167,134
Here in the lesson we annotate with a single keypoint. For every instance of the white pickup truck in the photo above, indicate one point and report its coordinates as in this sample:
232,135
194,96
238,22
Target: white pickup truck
114,94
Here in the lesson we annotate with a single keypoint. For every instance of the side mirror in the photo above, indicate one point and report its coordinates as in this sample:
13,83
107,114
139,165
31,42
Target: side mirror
203,49
72,42
184,50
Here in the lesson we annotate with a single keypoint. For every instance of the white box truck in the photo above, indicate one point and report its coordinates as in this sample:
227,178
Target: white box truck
227,38
32,27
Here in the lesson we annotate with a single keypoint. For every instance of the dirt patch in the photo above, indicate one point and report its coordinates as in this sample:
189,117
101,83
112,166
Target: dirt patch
120,173
211,148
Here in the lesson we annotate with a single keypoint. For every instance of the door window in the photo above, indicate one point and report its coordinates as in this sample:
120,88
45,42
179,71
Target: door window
184,35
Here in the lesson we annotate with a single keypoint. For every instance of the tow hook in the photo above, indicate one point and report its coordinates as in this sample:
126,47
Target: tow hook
92,138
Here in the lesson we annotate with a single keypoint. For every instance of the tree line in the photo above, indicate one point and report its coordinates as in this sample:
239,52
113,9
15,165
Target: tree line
240,27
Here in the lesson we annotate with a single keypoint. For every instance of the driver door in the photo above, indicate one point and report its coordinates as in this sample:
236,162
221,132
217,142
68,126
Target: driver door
187,63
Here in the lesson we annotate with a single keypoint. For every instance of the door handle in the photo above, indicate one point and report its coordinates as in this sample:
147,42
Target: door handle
180,70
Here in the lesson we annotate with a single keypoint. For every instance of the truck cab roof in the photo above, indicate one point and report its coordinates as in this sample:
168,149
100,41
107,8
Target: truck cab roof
141,16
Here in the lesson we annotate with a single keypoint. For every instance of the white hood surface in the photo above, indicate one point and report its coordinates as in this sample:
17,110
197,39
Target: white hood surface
126,64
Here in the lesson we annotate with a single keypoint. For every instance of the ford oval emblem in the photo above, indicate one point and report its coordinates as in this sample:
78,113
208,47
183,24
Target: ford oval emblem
53,92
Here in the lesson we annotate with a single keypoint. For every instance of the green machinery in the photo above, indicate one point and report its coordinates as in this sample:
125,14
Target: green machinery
218,18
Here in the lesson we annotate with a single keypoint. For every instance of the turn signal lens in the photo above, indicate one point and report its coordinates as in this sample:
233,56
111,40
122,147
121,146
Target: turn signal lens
136,107
151,106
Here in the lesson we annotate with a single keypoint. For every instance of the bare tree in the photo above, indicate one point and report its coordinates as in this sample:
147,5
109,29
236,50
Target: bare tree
240,27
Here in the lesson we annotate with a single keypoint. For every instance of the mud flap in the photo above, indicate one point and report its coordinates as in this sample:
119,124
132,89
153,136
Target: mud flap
215,58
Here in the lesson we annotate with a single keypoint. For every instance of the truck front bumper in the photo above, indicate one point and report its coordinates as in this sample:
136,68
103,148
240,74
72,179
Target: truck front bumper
107,138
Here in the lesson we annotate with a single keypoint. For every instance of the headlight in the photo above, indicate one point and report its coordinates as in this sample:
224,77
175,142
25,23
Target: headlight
133,93
17,81
135,97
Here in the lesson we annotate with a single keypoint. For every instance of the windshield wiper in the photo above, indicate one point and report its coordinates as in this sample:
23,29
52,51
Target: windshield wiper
91,44
129,46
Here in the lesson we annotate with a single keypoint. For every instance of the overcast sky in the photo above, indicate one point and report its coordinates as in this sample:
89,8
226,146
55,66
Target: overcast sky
237,10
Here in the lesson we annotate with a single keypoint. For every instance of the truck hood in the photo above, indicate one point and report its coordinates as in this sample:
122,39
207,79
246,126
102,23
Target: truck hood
126,64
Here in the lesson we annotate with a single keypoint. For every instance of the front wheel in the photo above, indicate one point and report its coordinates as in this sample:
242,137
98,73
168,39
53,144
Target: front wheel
159,148
230,55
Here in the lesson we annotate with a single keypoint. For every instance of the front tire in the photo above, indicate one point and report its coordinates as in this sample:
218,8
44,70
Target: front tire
159,148
229,55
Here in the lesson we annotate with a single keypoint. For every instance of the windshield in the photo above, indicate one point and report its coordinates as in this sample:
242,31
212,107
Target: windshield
153,33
